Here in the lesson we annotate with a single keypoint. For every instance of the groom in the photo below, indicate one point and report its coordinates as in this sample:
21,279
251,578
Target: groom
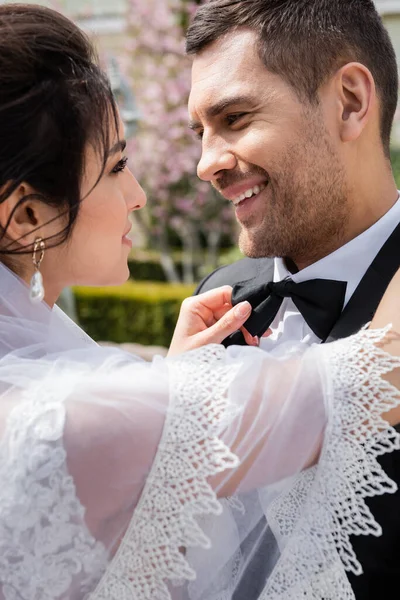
294,102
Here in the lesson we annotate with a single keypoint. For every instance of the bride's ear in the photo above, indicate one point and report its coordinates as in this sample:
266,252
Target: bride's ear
23,216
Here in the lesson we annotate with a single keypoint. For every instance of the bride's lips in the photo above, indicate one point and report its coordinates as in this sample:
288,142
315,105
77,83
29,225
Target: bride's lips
125,239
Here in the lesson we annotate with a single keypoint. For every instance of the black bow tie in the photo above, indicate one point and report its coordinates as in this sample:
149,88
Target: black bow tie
320,301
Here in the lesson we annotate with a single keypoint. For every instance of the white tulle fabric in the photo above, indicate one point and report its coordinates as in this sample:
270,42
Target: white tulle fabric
176,490
328,501
127,480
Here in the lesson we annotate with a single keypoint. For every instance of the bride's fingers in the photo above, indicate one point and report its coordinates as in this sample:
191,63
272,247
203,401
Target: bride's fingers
250,339
230,322
216,315
215,299
267,333
219,314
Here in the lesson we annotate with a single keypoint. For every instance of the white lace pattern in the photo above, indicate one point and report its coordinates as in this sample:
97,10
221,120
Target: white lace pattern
326,506
177,490
47,553
46,550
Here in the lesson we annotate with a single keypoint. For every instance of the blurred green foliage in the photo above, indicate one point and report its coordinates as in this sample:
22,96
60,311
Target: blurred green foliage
395,156
142,313
147,270
148,267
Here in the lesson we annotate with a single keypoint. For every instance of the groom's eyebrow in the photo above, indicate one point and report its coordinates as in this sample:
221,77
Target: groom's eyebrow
222,105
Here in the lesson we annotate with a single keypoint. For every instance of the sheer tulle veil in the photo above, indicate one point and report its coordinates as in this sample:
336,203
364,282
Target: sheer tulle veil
217,475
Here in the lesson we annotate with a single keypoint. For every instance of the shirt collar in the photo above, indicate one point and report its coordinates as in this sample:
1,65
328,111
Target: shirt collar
349,262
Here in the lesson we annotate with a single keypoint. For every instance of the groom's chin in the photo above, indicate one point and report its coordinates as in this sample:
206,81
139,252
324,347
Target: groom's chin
252,247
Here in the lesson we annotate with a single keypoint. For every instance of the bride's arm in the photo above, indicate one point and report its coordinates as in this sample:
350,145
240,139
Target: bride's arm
282,400
290,396
148,444
306,394
133,450
389,313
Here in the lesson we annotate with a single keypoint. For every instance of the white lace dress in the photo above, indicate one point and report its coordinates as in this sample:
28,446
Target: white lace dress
126,480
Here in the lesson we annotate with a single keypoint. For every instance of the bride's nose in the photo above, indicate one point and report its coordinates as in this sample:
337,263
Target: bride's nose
135,196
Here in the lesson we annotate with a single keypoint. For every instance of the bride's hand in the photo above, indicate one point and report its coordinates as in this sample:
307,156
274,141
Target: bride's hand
208,319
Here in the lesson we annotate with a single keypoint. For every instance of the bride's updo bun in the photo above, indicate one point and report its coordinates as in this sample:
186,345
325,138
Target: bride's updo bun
54,100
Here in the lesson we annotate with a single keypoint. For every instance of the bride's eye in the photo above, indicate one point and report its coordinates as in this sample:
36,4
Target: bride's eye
120,166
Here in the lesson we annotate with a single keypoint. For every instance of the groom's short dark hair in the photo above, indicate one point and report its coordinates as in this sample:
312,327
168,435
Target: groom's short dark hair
305,41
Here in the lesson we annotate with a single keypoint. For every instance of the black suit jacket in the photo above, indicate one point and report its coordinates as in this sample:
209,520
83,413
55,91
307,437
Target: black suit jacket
362,305
380,557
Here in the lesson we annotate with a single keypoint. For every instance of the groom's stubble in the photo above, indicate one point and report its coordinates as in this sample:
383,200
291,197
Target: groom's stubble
308,209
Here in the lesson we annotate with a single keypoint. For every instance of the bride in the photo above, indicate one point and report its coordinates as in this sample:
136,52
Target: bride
125,480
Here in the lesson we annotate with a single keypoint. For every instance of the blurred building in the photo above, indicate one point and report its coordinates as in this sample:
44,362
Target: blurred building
390,12
106,21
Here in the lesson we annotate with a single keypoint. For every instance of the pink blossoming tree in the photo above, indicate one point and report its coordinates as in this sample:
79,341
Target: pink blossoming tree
164,154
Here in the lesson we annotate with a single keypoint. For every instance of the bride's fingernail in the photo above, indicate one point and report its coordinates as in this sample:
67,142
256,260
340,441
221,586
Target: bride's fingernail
243,309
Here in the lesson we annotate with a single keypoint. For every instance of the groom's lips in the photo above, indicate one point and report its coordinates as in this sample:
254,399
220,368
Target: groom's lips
235,191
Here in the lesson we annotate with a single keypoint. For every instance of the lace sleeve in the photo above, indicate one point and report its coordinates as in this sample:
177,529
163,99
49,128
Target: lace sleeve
110,471
46,549
177,491
291,537
315,519
80,439
334,393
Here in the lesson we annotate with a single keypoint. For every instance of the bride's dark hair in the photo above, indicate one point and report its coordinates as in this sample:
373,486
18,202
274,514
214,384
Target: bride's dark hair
54,100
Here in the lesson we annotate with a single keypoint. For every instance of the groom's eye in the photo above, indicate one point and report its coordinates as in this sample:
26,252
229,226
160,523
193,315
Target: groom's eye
232,119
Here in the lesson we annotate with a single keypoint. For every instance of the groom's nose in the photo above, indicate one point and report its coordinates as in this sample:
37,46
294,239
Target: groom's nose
215,157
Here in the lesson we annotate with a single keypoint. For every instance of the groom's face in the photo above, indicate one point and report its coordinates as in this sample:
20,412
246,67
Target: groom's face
267,152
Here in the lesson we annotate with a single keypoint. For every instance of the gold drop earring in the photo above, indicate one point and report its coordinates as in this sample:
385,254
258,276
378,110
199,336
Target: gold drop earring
36,290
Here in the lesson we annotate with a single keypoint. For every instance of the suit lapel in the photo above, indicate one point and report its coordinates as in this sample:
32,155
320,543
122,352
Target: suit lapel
365,300
265,271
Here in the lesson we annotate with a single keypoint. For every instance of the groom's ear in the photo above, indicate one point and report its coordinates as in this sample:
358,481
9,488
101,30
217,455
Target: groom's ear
356,101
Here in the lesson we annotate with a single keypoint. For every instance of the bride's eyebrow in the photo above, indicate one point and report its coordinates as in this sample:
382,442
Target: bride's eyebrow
118,147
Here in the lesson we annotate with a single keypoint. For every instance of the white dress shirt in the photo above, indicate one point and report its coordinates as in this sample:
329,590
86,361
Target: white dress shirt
349,263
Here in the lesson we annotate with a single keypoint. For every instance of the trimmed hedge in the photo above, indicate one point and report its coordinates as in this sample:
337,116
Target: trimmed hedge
140,313
150,270
395,156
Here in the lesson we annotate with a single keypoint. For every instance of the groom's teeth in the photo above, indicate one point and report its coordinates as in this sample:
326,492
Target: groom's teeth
249,193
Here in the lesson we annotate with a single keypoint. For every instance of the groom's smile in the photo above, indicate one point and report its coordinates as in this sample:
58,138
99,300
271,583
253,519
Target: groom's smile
266,150
246,207
249,193
243,194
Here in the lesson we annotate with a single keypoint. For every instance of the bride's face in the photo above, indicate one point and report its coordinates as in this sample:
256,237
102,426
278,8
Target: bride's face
96,253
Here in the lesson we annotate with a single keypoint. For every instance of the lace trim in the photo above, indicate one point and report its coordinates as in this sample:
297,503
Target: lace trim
327,504
176,491
45,546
